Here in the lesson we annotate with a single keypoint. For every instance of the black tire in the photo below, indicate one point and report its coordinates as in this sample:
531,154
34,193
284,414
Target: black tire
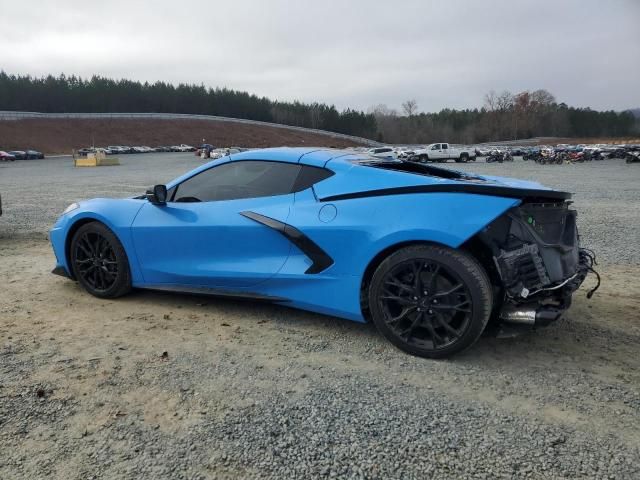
464,158
424,158
402,303
99,261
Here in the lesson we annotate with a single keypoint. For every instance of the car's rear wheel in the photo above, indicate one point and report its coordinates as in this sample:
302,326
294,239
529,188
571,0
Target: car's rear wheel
99,261
430,301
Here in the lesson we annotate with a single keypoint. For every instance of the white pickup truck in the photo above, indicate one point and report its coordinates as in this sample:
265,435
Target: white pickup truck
441,152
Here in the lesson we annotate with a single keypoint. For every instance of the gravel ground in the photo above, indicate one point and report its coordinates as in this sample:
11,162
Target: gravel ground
170,386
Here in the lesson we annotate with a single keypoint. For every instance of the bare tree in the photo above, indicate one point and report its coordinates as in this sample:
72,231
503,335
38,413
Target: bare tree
386,119
490,101
410,107
381,111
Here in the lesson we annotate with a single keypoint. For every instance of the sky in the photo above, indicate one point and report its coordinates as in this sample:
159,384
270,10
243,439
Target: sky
443,54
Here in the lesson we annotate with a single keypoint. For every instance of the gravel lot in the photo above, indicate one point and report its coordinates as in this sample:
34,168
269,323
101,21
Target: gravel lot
172,386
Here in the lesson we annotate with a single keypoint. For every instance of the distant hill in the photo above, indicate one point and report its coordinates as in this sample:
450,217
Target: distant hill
61,135
635,111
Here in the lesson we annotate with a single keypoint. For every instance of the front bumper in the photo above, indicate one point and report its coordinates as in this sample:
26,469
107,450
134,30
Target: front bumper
60,270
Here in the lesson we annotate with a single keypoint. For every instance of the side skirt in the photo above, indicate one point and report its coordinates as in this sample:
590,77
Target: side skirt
214,292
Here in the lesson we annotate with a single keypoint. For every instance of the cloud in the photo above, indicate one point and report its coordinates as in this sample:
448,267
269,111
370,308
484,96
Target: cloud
352,53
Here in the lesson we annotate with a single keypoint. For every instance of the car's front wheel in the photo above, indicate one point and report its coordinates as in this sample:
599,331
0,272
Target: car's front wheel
99,261
430,301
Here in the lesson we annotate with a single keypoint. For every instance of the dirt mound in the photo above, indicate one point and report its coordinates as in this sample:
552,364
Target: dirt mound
63,135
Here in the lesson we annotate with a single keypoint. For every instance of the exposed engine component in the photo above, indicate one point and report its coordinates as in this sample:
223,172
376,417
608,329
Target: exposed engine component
539,261
522,270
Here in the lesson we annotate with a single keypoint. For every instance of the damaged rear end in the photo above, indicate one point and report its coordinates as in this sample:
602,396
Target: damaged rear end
538,262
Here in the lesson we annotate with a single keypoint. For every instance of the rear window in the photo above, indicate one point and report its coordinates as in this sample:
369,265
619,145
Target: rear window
419,169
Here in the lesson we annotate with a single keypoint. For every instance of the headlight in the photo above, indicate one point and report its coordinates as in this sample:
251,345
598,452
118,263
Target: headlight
71,208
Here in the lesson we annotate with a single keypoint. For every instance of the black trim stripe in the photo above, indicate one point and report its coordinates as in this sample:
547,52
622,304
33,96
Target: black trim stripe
321,260
492,190
214,292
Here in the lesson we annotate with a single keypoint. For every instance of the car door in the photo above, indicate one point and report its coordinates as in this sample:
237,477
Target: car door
203,237
444,151
436,152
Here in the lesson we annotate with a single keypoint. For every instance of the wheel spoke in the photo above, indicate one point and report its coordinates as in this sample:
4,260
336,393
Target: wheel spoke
400,300
450,291
106,271
444,324
409,331
417,277
84,250
96,246
88,245
434,335
457,308
105,248
405,311
434,279
393,281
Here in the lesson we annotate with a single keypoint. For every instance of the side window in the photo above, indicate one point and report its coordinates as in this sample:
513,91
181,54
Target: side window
436,147
445,146
235,180
310,176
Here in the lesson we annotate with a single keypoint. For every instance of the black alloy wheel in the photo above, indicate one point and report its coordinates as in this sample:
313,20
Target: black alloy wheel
99,261
430,301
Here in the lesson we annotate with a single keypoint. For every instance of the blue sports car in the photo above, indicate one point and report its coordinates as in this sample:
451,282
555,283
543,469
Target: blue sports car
430,255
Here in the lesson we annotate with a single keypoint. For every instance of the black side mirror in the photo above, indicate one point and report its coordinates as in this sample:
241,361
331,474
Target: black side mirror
157,195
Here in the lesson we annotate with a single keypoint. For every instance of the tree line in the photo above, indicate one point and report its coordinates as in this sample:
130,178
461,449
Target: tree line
73,94
503,116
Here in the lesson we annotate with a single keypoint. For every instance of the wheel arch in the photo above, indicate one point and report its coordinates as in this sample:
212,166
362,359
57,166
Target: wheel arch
71,231
375,262
474,247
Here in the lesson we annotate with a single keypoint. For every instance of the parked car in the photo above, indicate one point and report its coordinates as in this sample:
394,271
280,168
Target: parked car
18,154
383,152
6,157
34,155
262,225
441,152
163,149
405,154
118,149
186,148
207,147
85,151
